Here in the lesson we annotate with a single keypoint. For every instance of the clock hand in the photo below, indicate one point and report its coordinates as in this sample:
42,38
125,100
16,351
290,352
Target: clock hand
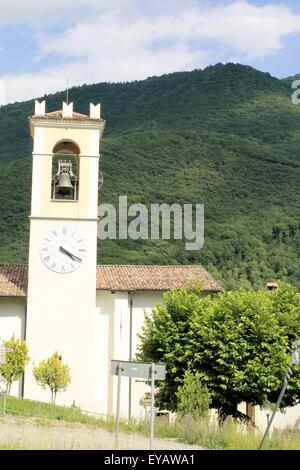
66,252
73,257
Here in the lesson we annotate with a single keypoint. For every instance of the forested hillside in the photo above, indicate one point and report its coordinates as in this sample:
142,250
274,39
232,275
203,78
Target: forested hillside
227,137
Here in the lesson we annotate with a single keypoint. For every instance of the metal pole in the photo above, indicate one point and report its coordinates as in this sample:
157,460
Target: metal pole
285,382
152,406
295,360
118,408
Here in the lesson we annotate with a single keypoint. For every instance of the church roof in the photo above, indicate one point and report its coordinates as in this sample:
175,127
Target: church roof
153,277
13,278
58,116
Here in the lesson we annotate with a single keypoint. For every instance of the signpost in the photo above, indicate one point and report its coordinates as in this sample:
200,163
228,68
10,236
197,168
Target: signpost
148,371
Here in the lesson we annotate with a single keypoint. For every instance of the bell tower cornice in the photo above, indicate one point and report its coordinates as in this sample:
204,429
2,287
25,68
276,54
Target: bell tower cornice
66,118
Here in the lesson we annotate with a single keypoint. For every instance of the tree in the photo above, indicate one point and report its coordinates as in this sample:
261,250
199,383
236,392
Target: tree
54,374
239,341
165,339
14,362
193,396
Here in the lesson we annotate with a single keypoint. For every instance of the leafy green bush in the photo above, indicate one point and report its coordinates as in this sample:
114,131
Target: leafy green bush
54,374
15,360
193,396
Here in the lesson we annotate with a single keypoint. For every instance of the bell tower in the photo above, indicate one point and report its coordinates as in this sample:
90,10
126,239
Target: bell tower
61,308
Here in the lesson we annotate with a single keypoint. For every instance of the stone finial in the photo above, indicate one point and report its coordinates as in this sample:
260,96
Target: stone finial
39,108
67,110
95,111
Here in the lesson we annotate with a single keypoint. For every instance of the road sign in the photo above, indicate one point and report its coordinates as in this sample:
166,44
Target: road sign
138,369
143,370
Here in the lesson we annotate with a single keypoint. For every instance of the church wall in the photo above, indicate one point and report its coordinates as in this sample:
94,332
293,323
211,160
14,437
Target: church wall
289,418
120,349
114,343
143,302
12,321
103,349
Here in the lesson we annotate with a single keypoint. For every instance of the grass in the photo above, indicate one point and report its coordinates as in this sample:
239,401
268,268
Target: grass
234,436
229,436
22,407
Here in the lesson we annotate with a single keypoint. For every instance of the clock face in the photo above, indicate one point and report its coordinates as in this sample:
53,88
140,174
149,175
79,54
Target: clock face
63,249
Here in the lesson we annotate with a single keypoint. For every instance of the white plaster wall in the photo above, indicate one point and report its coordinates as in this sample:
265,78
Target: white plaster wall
120,351
114,340
143,302
37,192
12,321
103,350
290,418
61,315
93,187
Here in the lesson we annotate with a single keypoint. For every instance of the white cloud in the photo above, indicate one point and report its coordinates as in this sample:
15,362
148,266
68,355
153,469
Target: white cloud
27,86
249,30
124,44
244,28
126,68
46,13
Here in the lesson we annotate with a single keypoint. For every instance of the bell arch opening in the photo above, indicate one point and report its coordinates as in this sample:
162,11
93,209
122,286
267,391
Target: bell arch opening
65,171
66,147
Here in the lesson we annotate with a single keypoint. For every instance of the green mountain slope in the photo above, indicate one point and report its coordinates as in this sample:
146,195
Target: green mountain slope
227,137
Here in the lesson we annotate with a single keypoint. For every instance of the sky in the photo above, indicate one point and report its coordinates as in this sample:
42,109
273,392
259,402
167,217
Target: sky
43,45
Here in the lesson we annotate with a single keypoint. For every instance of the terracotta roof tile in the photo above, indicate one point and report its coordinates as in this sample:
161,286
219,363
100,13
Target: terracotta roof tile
58,116
13,278
141,277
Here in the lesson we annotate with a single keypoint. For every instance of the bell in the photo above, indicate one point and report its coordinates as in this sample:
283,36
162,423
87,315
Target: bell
64,185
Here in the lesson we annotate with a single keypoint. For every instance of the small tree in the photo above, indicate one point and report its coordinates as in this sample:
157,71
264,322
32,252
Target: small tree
54,374
193,396
14,362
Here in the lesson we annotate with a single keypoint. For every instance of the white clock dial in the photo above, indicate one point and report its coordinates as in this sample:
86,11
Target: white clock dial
63,249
